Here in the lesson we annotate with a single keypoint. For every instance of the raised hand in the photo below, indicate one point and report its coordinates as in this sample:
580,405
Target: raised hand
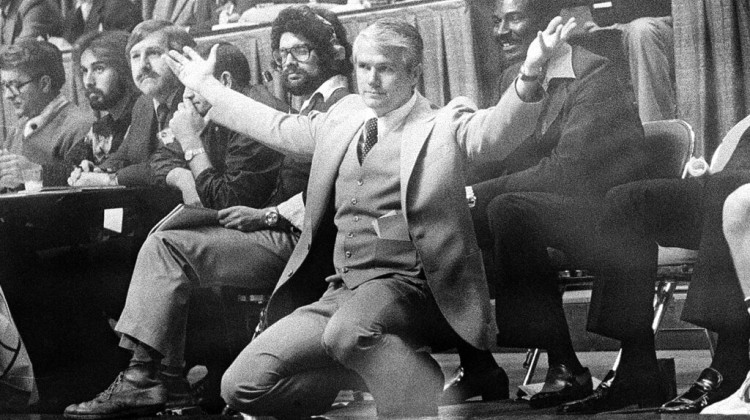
192,70
546,41
187,125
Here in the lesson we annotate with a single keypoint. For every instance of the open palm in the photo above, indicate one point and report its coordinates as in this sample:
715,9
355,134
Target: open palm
546,41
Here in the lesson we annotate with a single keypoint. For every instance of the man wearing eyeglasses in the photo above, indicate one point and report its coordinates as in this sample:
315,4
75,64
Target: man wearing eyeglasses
49,125
250,249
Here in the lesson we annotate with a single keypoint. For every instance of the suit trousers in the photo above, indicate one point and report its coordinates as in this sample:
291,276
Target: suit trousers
673,213
528,301
372,335
172,263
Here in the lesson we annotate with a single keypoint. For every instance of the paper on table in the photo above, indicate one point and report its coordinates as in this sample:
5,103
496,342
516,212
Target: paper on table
113,219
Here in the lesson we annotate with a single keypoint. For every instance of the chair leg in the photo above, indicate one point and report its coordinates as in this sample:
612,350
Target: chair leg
532,358
664,294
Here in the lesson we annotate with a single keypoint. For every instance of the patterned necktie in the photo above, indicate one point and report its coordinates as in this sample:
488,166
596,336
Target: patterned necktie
371,136
162,111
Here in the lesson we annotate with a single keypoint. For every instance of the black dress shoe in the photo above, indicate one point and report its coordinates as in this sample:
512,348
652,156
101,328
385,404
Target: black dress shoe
613,395
706,390
560,386
492,385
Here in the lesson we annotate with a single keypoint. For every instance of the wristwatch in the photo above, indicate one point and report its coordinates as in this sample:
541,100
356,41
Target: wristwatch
191,153
272,217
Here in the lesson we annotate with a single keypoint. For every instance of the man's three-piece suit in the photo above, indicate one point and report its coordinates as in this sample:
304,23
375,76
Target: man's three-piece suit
434,147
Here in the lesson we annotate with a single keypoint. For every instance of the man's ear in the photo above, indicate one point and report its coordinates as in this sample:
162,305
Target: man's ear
416,71
339,52
226,79
45,84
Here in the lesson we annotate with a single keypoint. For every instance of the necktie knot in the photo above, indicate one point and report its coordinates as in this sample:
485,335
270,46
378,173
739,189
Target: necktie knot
162,111
371,136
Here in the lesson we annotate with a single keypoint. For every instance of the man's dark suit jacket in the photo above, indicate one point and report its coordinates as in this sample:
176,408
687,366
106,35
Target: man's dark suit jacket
131,161
106,15
28,19
588,139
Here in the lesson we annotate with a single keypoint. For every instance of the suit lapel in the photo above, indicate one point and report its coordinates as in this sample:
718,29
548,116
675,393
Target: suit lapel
325,167
178,7
417,127
95,16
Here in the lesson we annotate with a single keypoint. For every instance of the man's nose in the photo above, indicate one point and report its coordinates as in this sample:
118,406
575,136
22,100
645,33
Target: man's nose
501,29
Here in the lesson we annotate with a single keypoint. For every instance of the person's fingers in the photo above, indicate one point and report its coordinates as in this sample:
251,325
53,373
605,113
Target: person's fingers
568,28
552,26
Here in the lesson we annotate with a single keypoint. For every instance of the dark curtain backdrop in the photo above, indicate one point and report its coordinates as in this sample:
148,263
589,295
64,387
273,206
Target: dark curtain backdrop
712,66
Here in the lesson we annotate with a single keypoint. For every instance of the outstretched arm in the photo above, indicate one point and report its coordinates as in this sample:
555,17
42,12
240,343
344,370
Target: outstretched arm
289,134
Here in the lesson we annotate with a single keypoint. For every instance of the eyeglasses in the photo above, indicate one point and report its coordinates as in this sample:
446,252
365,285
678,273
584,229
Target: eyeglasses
13,86
300,53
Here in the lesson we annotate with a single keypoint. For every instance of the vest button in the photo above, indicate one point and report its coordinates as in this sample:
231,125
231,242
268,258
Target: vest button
349,235
348,254
360,182
290,273
354,201
345,270
356,218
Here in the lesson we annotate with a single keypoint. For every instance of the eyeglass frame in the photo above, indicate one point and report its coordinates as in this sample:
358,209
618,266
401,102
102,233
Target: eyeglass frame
279,61
14,87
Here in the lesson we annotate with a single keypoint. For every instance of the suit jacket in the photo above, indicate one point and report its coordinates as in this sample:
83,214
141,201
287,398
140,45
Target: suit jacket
106,15
434,151
185,12
29,19
588,139
131,160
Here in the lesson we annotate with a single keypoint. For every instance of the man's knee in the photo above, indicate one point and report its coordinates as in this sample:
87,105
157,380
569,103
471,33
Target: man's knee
643,33
736,214
622,206
348,340
243,383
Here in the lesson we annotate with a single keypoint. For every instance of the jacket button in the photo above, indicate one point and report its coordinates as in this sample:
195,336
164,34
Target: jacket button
290,274
345,270
348,254
354,201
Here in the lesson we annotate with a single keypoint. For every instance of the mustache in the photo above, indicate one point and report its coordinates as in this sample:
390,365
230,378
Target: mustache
94,91
509,38
142,76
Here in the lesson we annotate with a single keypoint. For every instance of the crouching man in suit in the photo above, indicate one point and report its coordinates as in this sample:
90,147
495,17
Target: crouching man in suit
386,226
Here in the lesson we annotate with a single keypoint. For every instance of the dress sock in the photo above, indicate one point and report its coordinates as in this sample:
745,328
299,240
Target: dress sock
731,357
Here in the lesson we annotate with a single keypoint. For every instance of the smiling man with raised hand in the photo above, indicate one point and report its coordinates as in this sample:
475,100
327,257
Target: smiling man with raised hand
395,283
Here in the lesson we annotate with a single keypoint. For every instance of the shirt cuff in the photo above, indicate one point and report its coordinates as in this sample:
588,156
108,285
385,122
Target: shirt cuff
293,210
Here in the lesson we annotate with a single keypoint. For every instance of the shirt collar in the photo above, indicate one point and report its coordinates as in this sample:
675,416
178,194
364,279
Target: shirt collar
45,116
326,89
394,119
560,66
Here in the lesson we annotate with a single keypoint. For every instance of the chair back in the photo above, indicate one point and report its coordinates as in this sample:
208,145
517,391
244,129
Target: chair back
670,144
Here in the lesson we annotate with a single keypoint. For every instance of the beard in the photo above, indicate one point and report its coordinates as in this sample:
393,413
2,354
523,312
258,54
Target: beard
100,101
306,85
